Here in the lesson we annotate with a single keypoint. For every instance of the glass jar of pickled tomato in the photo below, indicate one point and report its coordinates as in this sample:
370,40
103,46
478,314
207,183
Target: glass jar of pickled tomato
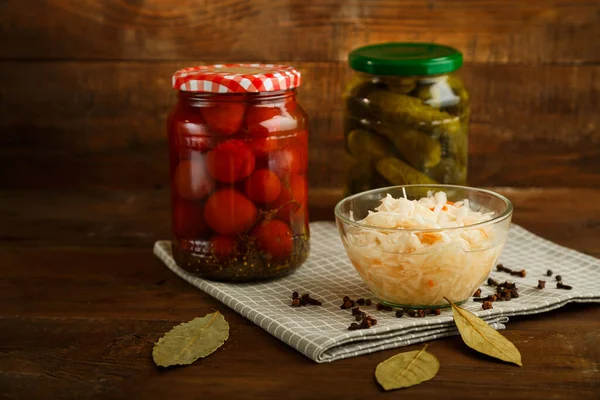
238,158
406,119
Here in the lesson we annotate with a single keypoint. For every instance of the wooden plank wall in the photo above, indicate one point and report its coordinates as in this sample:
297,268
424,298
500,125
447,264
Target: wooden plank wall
85,84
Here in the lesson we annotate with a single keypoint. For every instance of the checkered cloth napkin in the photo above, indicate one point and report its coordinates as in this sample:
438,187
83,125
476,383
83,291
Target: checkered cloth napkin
321,333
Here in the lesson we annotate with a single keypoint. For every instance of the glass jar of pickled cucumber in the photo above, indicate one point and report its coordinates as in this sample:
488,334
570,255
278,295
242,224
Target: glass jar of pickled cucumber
238,144
406,116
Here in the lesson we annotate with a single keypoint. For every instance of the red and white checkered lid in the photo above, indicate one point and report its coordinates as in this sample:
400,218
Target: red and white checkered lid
236,78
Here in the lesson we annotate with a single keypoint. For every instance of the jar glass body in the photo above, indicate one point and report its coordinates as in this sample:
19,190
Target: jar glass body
405,130
238,166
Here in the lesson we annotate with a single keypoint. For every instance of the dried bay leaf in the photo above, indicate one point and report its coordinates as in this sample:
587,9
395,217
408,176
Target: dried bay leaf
187,342
479,336
407,369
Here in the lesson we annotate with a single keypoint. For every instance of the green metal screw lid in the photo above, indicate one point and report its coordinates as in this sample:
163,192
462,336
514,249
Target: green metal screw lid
405,59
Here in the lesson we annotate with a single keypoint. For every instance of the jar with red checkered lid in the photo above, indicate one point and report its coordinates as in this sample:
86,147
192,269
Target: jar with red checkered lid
238,144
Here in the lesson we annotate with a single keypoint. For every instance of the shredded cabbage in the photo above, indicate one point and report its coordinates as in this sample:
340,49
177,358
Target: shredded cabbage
416,268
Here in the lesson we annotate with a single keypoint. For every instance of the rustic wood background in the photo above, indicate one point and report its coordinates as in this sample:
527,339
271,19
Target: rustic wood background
85,84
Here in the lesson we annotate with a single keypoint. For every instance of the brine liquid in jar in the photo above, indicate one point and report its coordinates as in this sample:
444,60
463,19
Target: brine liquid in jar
238,144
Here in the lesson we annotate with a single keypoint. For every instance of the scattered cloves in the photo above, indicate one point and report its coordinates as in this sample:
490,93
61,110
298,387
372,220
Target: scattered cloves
549,272
383,307
521,273
304,300
560,285
487,305
477,293
367,302
502,268
542,284
492,282
347,303
399,313
360,302
558,278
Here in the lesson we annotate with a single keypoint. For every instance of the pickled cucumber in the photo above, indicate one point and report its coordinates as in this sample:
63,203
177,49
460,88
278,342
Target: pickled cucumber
399,108
449,171
418,148
365,145
399,84
400,173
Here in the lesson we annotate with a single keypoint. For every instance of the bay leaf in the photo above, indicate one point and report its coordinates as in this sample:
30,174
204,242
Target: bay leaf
187,342
479,336
407,369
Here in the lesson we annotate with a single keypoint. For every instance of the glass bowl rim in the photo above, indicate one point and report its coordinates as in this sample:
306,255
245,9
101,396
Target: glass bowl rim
504,215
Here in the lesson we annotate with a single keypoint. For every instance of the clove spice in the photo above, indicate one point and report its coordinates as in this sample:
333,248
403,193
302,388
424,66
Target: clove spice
383,307
560,285
542,284
304,300
477,293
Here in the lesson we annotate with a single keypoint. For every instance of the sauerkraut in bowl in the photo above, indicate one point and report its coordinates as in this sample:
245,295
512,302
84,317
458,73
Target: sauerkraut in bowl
414,245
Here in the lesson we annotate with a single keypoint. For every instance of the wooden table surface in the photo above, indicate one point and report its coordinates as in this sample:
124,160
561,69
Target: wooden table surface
83,299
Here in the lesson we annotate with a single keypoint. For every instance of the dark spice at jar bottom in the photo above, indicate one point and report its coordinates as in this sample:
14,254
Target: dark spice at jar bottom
246,264
541,284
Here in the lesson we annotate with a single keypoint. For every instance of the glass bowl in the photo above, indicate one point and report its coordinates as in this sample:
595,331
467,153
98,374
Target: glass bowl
421,276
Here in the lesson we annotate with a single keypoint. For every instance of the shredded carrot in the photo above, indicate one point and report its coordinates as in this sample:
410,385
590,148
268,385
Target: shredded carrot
430,283
444,208
432,208
450,202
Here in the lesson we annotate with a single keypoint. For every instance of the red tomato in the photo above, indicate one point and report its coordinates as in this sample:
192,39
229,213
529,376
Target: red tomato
187,129
292,199
262,146
263,186
191,179
188,220
285,162
290,104
223,246
229,212
303,149
274,237
263,121
224,118
230,161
